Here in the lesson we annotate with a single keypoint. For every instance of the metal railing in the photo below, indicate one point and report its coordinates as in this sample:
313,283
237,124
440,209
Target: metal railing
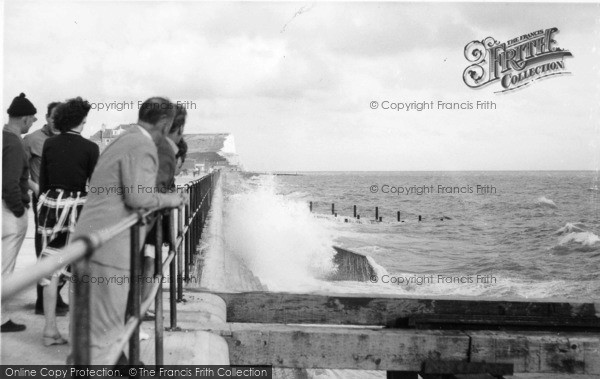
190,222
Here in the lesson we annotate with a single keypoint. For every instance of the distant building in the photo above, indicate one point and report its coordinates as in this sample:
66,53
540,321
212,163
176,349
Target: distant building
206,151
105,136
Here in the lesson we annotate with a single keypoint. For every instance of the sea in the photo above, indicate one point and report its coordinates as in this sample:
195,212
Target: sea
516,234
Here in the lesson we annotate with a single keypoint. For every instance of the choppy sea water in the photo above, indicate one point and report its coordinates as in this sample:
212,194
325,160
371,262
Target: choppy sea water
520,234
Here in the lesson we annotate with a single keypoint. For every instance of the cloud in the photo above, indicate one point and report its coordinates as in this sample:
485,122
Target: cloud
294,80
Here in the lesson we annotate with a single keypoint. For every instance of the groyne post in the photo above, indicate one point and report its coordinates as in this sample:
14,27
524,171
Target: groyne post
310,206
398,216
355,211
419,218
332,208
376,213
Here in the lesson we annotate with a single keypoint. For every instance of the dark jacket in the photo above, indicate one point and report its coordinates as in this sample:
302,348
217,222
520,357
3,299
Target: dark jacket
165,178
34,144
15,174
68,161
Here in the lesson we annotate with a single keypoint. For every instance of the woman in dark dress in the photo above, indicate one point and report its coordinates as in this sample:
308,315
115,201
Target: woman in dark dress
68,161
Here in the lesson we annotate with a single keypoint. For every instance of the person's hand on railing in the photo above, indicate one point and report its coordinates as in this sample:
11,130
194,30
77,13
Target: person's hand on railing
185,198
173,200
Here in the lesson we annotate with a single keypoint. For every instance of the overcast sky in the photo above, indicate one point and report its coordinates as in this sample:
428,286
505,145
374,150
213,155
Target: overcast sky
294,81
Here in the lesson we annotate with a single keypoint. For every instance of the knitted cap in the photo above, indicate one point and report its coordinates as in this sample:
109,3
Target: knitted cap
21,106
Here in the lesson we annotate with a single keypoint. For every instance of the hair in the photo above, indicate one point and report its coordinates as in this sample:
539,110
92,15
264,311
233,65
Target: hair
51,106
154,109
182,152
179,120
70,114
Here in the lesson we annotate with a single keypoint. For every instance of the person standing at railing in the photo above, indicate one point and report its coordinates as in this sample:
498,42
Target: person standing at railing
34,144
129,165
15,196
182,149
68,161
165,181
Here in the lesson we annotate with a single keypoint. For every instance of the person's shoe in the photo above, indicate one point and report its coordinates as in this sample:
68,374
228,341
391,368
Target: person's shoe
149,316
10,326
143,335
55,340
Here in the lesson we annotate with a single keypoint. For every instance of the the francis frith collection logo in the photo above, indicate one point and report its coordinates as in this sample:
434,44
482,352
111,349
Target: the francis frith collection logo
516,63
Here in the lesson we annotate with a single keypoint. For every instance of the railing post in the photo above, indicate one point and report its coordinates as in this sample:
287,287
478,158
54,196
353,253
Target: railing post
200,205
158,300
81,319
194,206
210,189
195,193
186,243
180,255
136,263
172,287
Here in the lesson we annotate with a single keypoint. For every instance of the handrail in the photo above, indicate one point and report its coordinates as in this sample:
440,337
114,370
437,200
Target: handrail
190,222
76,250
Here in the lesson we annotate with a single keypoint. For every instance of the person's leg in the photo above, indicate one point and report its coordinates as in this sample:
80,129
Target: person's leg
37,236
13,233
61,306
150,252
37,239
107,311
149,255
51,334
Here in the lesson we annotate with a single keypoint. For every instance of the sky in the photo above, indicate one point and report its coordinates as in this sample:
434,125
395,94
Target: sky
294,81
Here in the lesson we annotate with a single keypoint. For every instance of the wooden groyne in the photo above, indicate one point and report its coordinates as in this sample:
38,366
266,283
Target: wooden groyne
357,219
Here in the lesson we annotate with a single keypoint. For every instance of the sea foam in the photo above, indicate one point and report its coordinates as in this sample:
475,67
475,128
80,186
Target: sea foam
545,202
583,238
570,227
276,236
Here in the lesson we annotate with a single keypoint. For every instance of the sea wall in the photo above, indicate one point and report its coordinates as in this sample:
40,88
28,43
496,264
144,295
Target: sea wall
217,269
